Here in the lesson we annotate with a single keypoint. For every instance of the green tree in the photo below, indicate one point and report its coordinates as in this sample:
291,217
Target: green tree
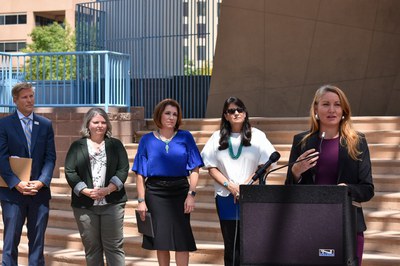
51,38
190,69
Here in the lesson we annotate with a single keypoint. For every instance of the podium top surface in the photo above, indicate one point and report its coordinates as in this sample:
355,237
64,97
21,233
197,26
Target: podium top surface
295,193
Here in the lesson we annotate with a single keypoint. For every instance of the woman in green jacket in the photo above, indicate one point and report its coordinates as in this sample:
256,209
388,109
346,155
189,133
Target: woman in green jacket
96,168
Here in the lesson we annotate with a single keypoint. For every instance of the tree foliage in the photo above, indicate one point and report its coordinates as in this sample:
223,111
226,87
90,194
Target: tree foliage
190,68
51,38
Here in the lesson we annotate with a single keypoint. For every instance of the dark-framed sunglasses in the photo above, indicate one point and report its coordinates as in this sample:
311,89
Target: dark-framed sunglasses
231,111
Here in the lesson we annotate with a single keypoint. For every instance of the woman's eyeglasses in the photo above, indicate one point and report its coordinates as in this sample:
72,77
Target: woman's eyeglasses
231,111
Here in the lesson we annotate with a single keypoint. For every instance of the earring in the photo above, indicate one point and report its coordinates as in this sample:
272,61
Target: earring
316,116
342,117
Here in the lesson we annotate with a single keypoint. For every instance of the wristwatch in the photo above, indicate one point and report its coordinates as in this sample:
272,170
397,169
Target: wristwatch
192,193
140,200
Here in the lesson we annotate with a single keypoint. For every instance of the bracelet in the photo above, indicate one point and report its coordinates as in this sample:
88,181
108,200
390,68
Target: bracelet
140,200
226,184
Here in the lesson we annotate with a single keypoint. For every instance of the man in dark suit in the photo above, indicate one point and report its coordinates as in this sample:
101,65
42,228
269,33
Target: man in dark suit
25,134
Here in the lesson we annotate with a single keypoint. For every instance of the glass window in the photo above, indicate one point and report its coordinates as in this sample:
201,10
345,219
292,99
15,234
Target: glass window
10,47
185,9
11,19
201,53
185,29
21,45
201,30
1,20
201,8
42,21
21,19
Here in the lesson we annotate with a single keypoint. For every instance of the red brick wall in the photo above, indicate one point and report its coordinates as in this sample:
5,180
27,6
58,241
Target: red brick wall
67,123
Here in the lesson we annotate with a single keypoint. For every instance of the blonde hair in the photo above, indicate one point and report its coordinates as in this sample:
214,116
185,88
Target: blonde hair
19,87
348,135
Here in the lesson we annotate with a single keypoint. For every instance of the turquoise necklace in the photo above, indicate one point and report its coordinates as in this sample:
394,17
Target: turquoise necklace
167,141
230,149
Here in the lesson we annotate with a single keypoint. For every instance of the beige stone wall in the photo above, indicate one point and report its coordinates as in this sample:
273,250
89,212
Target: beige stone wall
274,54
67,123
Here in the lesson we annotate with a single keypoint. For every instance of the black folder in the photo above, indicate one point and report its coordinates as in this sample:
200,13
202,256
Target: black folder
145,227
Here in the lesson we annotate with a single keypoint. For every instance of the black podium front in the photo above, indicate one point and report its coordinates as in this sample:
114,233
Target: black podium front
297,225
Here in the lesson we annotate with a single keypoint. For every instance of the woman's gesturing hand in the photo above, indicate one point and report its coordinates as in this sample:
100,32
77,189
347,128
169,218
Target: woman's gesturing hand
303,163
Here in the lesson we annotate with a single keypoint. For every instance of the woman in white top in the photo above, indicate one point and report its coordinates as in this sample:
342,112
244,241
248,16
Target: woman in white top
232,155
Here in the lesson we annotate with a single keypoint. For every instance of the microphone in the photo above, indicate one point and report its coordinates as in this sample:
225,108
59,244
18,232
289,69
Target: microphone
320,143
259,173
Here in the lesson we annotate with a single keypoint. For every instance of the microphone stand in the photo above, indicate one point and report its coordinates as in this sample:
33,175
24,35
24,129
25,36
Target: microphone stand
261,179
261,171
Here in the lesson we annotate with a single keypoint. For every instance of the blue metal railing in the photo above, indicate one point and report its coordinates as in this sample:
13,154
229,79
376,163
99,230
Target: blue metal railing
68,79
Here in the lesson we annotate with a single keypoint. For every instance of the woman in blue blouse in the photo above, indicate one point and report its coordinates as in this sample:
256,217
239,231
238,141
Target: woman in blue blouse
165,158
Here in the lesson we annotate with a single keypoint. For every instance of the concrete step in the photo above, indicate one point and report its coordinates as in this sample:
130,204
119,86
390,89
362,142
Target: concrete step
382,166
361,123
383,182
205,201
384,242
67,240
384,201
386,187
381,213
377,151
380,259
387,182
204,221
382,220
60,186
59,256
58,183
278,137
379,166
72,257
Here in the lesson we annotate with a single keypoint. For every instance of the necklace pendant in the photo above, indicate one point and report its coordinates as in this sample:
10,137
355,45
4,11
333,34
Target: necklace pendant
166,147
230,150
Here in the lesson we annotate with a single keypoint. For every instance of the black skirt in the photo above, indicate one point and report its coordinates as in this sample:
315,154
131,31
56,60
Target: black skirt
165,198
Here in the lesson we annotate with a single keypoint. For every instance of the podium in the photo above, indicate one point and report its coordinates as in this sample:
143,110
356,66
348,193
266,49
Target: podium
299,225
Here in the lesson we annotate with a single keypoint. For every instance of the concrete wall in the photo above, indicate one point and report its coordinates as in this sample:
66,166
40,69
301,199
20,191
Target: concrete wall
274,54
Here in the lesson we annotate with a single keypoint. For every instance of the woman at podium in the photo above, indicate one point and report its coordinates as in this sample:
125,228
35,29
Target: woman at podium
232,155
337,154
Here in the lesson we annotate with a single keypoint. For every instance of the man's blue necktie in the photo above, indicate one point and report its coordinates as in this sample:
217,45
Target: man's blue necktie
28,132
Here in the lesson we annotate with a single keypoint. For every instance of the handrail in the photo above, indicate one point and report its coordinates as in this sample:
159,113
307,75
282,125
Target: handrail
65,79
